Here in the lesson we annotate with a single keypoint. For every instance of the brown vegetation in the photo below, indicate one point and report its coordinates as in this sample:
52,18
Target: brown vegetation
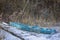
40,12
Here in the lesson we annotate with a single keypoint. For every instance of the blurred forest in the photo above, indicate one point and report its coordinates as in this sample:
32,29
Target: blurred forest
33,12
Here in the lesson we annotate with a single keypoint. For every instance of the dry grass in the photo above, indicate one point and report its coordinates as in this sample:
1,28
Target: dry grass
33,11
28,19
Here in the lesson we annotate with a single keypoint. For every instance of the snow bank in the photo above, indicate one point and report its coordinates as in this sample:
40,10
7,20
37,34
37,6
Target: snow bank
55,37
7,36
30,35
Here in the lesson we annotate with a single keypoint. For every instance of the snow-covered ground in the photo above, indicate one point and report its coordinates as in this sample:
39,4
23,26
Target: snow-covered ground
28,35
7,36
